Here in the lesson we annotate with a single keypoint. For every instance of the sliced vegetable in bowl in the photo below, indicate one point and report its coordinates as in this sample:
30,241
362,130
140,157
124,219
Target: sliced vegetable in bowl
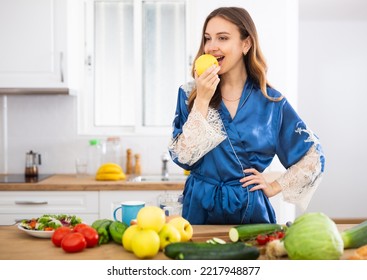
44,226
50,222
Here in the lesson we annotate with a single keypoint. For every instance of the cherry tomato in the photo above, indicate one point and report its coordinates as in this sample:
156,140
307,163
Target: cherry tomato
73,242
271,238
59,235
78,227
90,235
262,239
279,234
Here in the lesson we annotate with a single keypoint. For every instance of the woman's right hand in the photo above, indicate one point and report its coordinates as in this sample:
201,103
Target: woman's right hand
207,83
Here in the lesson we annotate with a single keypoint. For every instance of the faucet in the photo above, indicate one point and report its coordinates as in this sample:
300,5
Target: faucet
165,159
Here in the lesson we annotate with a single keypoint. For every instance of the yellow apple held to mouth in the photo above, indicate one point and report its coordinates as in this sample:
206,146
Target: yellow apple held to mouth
151,217
145,244
184,227
168,234
203,62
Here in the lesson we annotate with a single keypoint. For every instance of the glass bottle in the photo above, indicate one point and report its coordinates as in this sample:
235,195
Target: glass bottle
94,156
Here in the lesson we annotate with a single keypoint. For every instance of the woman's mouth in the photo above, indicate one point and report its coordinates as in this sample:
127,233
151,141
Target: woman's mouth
219,59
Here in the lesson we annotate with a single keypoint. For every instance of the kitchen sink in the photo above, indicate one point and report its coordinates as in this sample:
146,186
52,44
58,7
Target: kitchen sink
159,178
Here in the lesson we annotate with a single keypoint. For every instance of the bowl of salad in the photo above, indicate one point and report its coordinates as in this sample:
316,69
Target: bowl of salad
44,226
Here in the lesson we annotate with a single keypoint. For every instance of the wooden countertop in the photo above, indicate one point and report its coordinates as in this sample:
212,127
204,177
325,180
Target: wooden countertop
17,245
69,182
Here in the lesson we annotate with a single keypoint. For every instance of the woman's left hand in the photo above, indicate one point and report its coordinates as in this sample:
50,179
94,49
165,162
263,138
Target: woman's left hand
257,179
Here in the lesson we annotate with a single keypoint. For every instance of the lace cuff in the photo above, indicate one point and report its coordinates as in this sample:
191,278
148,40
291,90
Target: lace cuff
199,136
301,180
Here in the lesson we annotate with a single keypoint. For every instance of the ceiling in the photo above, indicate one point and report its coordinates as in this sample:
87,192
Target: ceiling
333,9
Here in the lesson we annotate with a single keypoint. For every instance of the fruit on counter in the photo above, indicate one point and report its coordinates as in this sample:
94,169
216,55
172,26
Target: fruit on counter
184,227
313,236
102,228
117,230
73,242
168,234
129,233
91,236
110,172
249,231
151,217
59,235
203,62
209,251
145,243
355,236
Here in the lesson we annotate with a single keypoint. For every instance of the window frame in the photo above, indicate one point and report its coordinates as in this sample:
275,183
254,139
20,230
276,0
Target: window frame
86,99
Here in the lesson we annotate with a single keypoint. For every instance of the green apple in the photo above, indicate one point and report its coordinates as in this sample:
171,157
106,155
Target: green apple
184,227
168,234
151,217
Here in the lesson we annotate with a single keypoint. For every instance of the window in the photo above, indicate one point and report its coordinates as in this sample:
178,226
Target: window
136,59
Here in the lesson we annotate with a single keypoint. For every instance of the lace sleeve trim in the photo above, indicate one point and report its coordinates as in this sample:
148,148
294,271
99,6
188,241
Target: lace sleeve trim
301,180
198,137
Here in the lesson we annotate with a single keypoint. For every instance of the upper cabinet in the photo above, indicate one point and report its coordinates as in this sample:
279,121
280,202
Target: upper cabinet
33,44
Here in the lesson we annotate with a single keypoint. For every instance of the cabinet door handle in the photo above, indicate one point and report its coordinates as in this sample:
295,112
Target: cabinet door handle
28,202
61,67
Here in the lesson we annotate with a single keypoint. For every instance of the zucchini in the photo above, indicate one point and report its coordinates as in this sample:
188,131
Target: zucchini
249,231
356,236
209,251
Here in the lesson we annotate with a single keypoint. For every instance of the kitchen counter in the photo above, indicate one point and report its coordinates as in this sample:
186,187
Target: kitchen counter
17,245
69,182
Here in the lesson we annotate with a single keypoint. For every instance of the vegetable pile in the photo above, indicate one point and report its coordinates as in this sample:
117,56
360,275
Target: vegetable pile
50,222
75,239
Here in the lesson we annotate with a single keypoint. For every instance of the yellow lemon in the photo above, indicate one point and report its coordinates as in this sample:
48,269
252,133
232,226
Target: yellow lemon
145,244
203,62
151,217
128,236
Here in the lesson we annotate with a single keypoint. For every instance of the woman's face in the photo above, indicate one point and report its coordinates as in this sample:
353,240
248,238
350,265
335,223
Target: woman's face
223,40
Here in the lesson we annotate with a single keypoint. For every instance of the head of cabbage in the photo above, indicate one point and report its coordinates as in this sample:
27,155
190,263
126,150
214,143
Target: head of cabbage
313,236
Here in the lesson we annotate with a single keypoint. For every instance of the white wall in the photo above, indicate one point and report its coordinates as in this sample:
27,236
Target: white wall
332,99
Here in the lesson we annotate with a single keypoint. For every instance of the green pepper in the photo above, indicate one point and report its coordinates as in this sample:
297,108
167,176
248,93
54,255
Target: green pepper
102,229
117,229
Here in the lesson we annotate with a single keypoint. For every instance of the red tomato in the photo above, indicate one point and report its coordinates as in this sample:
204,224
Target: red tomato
73,242
280,234
262,239
90,235
78,227
59,235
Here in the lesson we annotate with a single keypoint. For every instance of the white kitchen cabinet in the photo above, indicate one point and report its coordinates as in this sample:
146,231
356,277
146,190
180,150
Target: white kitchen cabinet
110,200
16,205
33,44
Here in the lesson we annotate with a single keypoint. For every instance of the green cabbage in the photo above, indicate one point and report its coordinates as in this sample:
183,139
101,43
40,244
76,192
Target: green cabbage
313,236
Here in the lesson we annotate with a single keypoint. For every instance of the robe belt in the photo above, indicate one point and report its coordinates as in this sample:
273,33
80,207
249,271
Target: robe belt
229,194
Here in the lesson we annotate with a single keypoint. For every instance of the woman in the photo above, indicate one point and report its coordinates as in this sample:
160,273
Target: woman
229,125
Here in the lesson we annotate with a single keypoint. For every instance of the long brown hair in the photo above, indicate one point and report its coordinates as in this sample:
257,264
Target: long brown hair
254,60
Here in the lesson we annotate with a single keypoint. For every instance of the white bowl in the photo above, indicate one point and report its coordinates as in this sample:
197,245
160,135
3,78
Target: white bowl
37,233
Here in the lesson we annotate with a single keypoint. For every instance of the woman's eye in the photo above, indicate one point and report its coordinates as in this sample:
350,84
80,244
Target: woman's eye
223,38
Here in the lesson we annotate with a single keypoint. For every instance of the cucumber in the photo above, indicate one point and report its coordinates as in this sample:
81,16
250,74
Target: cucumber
248,231
208,251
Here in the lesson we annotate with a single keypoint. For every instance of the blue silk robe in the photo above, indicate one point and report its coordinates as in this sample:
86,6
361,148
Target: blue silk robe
260,130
